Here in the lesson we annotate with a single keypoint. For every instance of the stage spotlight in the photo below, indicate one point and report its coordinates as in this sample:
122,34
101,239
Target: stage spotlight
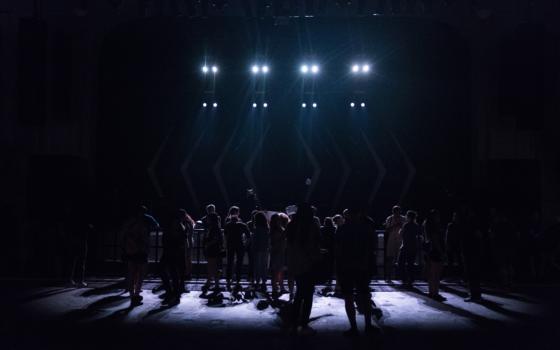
314,69
265,105
365,68
255,69
214,69
264,69
205,69
304,105
304,69
363,104
254,105
352,104
355,68
314,105
204,104
215,104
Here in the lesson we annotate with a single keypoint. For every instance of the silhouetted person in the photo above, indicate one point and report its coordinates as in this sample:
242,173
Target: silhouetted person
260,244
328,232
393,225
338,220
304,239
550,245
236,234
530,237
410,234
210,209
452,244
249,249
504,239
136,245
353,264
435,253
278,223
213,245
469,226
173,260
189,246
76,229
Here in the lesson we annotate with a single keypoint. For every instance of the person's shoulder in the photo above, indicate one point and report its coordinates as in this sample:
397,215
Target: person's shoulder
150,218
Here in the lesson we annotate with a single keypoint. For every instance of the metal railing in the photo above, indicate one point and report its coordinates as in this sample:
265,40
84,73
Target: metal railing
111,251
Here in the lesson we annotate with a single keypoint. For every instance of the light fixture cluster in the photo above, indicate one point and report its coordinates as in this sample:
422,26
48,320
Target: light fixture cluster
264,105
256,69
305,69
206,105
313,105
312,69
207,69
354,104
360,68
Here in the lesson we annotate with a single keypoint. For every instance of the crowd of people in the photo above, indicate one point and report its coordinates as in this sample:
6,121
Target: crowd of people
297,245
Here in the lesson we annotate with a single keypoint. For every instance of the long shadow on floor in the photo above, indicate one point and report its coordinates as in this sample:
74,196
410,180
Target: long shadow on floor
94,308
46,294
106,289
490,305
478,320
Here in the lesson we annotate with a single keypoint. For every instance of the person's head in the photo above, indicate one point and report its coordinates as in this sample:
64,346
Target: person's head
314,209
433,216
181,215
253,213
411,216
284,219
141,210
275,221
396,210
260,220
233,211
210,209
328,222
338,220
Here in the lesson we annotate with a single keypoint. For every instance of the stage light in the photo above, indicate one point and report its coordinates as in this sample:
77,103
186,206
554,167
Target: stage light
365,68
264,69
254,105
265,105
355,68
314,69
304,69
304,105
205,69
352,104
214,69
255,69
362,104
215,104
204,104
314,105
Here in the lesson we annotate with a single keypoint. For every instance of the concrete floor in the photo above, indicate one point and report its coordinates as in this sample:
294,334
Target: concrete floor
99,316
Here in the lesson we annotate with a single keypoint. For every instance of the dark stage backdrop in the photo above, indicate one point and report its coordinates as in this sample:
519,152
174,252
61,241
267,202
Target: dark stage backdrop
411,144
